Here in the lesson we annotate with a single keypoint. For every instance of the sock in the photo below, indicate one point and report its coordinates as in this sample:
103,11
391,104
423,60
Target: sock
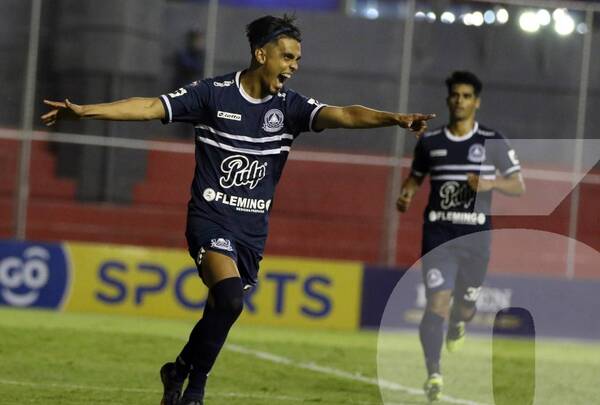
208,337
183,363
457,314
454,316
431,332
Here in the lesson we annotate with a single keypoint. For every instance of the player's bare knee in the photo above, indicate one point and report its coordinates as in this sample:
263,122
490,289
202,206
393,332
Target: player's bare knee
439,303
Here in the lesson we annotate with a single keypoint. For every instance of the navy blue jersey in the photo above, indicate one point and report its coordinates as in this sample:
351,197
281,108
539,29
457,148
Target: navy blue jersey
448,159
242,144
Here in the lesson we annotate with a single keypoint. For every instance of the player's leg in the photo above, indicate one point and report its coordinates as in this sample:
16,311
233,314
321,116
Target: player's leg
440,265
223,307
463,311
469,279
431,334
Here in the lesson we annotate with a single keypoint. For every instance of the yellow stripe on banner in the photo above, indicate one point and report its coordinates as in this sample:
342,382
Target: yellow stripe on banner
164,282
135,281
304,292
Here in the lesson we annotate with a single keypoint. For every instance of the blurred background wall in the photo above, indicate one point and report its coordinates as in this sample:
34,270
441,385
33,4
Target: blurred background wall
334,205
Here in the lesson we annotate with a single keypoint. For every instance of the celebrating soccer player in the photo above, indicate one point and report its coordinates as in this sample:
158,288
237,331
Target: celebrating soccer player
245,123
461,159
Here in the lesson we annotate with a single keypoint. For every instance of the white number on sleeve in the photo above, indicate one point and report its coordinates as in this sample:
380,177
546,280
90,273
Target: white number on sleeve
178,93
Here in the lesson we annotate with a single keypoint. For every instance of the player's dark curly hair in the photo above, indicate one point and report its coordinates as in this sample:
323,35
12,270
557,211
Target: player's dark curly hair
269,28
464,77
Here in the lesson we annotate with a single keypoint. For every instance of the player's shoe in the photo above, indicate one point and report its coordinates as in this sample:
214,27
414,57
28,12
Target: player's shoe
190,401
171,385
455,337
433,387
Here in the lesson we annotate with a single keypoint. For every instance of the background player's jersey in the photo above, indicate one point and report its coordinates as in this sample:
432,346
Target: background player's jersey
448,159
242,144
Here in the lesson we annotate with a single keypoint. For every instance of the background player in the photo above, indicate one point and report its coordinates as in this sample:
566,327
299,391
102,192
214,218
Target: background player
462,164
245,124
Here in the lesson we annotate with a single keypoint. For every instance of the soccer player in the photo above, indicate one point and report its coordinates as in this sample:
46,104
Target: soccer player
462,159
245,123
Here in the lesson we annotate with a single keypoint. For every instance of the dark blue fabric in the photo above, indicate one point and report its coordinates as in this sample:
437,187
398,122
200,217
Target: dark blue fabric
242,145
209,334
431,333
447,160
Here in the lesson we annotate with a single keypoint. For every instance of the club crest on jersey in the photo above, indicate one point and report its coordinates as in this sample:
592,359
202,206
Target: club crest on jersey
476,153
273,120
239,171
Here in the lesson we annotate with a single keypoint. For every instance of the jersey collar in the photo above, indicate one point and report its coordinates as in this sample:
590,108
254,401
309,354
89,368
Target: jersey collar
246,96
468,135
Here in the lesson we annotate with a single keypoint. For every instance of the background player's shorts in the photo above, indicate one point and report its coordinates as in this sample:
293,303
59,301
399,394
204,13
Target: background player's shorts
457,264
204,235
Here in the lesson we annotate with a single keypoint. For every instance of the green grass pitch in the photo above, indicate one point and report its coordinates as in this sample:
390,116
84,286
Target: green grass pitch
54,358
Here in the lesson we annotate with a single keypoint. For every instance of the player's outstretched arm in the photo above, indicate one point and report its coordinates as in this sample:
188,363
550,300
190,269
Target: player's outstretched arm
357,116
409,188
131,109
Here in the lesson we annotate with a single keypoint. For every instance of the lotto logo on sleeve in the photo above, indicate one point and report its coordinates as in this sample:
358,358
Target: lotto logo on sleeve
33,275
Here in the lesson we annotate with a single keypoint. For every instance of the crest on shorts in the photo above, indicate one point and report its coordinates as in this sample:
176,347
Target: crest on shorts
222,244
434,278
273,120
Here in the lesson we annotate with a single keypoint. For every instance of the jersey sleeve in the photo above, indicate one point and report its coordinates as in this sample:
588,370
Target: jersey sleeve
187,104
420,164
301,112
505,157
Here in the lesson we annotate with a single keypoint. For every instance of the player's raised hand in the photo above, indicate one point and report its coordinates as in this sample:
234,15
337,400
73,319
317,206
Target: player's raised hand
415,122
61,110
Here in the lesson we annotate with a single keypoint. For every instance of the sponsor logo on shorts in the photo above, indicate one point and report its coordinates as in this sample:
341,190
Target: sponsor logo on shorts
434,278
200,256
476,153
462,218
222,244
229,116
273,120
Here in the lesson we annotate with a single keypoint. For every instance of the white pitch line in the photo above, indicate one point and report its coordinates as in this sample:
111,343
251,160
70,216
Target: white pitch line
343,374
